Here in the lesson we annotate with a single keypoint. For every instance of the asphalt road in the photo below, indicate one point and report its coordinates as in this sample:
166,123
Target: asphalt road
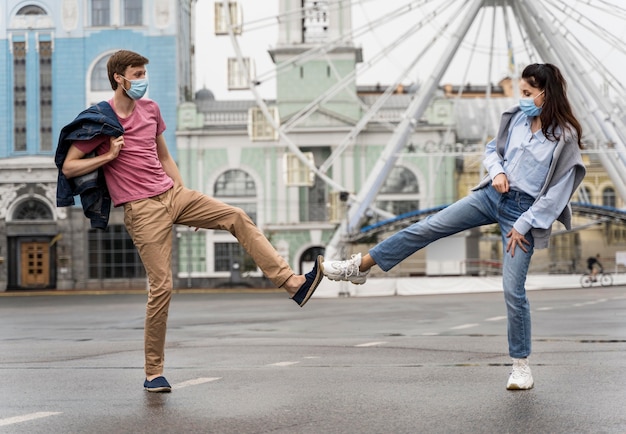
257,363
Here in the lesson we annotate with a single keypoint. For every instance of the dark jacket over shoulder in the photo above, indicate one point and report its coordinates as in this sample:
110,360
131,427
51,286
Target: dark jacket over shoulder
94,195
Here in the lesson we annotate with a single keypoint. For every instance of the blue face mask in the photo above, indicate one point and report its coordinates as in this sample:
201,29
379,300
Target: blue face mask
528,106
137,89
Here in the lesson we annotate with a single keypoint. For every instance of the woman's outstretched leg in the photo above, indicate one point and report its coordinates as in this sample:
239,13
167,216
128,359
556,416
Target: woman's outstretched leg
474,210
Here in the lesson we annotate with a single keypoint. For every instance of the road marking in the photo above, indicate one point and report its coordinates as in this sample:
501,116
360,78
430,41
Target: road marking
545,308
283,364
371,344
195,382
430,334
27,417
496,318
601,300
464,326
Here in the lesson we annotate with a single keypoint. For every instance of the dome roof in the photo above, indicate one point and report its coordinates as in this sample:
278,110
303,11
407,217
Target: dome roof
205,94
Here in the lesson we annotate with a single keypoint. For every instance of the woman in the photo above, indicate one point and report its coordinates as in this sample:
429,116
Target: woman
534,166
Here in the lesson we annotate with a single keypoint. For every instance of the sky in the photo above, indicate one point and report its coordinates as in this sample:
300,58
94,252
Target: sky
212,51
387,59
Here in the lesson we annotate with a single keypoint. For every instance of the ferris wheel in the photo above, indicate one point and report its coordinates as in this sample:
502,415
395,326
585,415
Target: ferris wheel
423,44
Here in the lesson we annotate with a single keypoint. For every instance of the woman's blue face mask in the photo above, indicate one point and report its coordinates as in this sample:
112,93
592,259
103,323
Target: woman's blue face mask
528,106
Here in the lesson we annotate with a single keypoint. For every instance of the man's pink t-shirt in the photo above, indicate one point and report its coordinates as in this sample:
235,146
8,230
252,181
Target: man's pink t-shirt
136,173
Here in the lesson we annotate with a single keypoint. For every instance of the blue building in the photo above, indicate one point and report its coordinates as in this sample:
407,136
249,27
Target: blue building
53,56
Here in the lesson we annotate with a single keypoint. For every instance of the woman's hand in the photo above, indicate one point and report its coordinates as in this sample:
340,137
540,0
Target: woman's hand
516,240
501,183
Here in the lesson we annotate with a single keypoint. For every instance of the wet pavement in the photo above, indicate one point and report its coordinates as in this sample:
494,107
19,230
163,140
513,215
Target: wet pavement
244,362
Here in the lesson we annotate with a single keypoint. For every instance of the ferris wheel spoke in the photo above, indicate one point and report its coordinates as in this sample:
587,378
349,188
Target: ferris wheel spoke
595,65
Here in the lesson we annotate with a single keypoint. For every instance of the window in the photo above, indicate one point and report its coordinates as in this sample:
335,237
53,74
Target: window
32,126
259,128
133,12
191,251
98,84
100,13
235,183
112,254
615,233
312,197
608,197
19,96
31,10
237,188
31,17
239,75
99,76
221,19
400,193
313,202
297,174
229,254
32,210
315,21
338,206
45,95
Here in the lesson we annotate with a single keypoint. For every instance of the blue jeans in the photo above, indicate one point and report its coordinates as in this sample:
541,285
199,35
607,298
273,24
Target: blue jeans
481,207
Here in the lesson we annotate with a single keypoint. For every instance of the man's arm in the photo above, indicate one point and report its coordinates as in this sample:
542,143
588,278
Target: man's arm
76,165
168,163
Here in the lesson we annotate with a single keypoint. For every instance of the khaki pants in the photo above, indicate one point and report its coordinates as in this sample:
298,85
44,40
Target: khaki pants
149,223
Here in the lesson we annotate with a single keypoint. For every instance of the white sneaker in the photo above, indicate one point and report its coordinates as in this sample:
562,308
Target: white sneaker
521,378
347,270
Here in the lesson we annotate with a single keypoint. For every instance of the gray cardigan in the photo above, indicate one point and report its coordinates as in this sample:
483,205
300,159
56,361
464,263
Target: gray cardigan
565,157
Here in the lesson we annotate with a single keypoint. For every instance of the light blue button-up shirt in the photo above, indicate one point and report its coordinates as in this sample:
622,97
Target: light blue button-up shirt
526,163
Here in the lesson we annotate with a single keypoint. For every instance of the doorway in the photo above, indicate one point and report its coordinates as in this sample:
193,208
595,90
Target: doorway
31,235
35,264
31,263
308,258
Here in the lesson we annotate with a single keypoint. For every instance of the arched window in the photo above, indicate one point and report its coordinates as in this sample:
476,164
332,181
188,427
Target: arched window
99,76
31,17
31,10
400,193
236,183
608,197
32,209
98,84
235,187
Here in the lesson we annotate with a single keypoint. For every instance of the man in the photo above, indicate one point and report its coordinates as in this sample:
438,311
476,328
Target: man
594,265
142,177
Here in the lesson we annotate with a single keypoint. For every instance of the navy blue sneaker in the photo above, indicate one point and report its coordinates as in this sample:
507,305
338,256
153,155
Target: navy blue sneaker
159,385
313,279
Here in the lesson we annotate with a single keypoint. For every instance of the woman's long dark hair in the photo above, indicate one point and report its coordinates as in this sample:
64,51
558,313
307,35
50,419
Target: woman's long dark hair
556,110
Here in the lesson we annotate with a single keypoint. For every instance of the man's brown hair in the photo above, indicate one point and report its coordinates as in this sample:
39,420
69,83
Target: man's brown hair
121,60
